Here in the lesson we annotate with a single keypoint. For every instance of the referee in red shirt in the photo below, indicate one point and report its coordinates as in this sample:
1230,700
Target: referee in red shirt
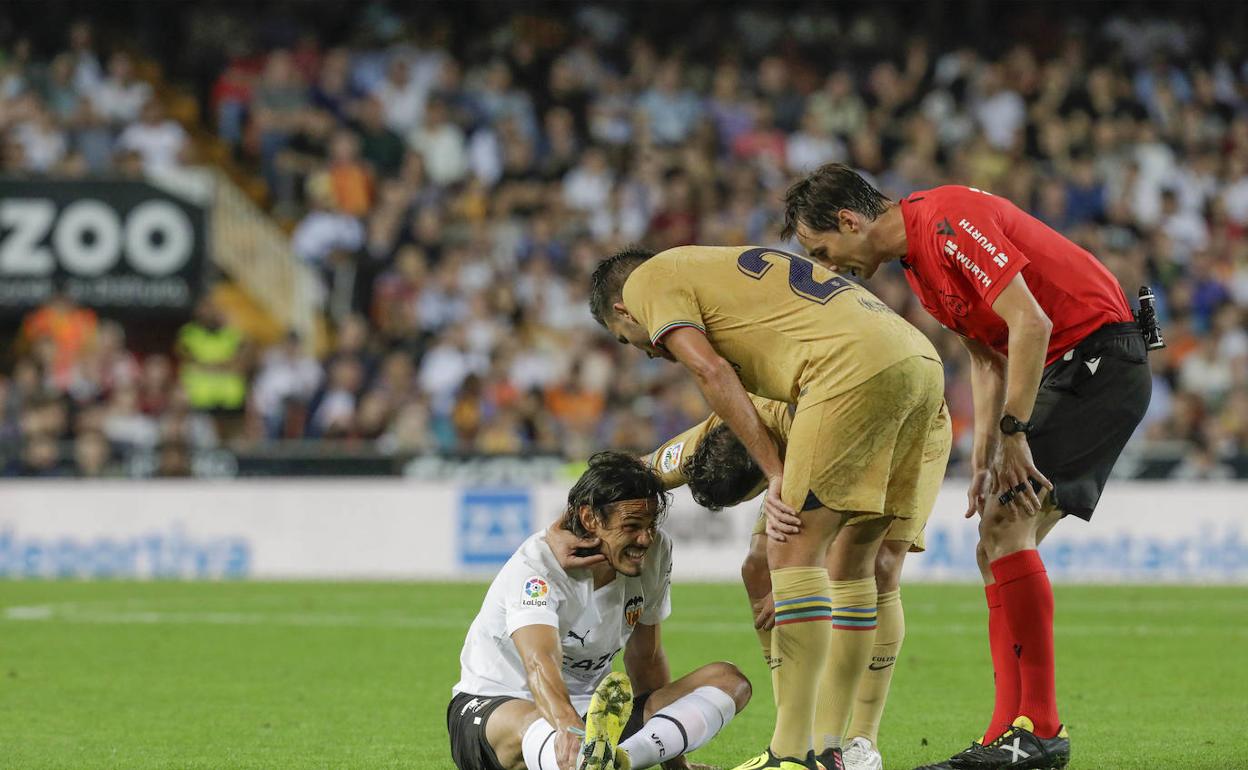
1048,427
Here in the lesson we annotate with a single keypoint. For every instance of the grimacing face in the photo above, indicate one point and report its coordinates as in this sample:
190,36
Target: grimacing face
627,331
846,250
627,534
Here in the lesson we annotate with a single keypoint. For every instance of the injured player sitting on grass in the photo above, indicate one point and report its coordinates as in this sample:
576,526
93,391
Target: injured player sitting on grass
536,689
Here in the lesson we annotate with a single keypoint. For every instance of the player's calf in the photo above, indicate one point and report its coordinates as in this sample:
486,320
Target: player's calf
756,576
685,715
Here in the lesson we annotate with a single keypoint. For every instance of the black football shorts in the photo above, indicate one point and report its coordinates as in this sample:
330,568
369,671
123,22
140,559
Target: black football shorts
1090,402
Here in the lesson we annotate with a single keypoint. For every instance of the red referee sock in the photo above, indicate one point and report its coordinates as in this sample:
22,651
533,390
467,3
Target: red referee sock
1027,598
1005,675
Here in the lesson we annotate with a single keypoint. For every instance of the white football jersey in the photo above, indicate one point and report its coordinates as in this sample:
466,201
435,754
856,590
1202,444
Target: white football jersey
594,626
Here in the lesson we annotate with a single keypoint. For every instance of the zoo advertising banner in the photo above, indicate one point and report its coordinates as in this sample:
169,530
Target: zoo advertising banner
412,530
121,246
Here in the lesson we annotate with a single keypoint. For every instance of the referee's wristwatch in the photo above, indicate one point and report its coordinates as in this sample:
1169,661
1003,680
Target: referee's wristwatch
1011,425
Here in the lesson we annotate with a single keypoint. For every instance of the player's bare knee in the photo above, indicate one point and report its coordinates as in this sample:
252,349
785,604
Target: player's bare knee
726,676
755,574
981,555
1005,535
888,568
797,551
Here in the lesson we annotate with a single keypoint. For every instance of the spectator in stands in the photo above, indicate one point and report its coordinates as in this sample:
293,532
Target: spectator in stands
42,141
119,99
160,142
104,365
69,331
670,110
401,96
441,144
379,145
125,424
288,377
326,228
278,109
87,70
93,456
333,92
331,413
350,180
530,155
41,458
212,360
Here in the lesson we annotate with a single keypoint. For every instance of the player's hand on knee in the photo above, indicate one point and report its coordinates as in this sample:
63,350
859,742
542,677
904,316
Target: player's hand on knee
765,612
977,493
571,551
782,520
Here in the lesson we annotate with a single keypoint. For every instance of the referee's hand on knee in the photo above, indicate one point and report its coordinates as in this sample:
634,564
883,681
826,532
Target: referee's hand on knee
1014,471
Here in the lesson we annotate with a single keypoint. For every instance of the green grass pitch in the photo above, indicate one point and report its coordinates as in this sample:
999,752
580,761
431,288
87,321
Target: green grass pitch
331,675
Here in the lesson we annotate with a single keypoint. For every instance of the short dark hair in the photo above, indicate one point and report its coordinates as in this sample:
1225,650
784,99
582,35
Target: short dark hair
720,472
606,286
610,478
816,199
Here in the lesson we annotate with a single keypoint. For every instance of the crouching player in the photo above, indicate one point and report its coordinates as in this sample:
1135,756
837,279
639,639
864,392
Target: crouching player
720,473
534,690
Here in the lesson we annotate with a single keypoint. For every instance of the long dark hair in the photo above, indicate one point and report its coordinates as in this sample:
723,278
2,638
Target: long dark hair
610,478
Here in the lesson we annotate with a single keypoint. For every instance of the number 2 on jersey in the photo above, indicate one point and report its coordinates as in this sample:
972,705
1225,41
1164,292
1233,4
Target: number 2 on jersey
753,263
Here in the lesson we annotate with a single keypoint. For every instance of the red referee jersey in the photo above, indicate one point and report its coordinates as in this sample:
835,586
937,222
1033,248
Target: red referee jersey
965,246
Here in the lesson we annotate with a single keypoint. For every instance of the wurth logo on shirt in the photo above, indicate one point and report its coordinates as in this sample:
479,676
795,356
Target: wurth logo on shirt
975,270
997,255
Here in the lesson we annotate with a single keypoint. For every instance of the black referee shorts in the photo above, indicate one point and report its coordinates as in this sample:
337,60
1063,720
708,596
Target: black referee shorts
467,715
1090,402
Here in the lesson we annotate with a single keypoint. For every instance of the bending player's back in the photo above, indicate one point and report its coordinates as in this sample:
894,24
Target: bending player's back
791,328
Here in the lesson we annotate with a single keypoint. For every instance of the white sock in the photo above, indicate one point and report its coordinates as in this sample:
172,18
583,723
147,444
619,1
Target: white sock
680,727
538,746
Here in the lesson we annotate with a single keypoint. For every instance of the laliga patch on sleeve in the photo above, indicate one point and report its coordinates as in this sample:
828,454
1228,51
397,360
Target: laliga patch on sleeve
670,461
535,592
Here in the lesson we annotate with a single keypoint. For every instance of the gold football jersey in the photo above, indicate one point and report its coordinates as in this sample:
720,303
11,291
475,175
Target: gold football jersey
794,330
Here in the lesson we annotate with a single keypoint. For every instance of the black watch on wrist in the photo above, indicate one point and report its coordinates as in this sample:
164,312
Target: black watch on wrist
1011,425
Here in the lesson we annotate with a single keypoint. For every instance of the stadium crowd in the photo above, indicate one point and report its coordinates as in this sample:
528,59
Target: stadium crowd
454,188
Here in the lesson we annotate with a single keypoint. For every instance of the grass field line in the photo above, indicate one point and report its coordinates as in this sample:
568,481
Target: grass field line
70,613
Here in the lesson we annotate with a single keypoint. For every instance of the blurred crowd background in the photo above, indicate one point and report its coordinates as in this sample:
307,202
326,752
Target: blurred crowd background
453,174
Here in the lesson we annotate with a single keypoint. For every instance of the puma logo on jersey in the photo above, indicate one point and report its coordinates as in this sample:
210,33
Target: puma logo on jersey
579,637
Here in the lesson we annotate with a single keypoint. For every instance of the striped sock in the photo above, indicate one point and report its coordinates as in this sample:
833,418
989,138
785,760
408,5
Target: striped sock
799,649
849,651
872,690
